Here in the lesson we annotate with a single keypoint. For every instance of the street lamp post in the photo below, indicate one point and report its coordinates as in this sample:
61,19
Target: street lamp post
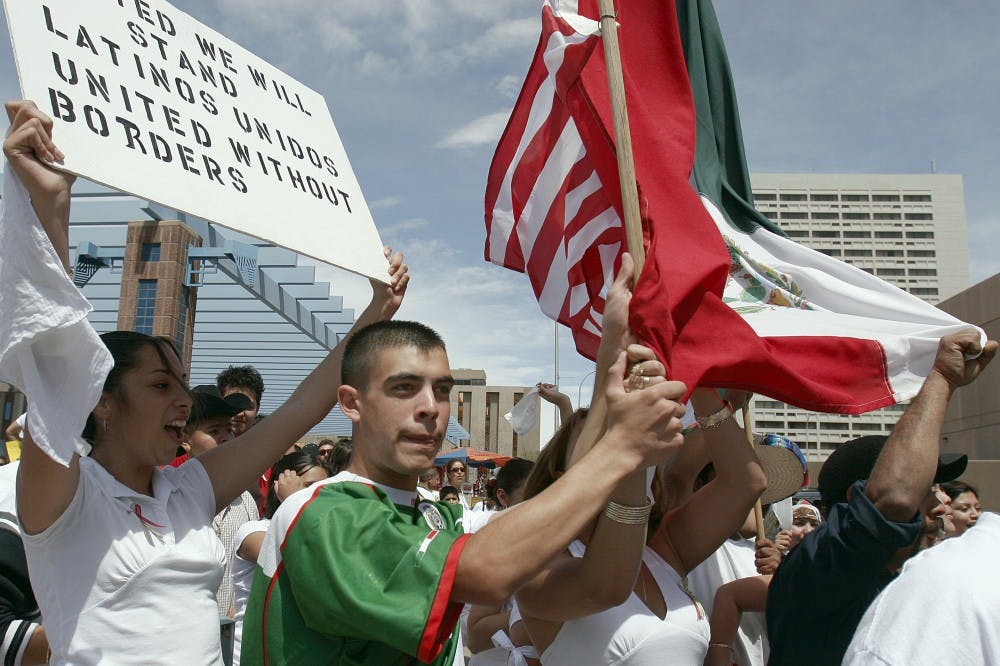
579,390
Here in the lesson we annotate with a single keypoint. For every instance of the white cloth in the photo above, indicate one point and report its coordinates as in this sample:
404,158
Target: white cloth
48,349
955,582
733,560
523,417
243,572
631,633
124,578
8,497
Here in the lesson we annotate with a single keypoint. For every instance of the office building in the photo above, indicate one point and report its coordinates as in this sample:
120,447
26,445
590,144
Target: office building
480,409
908,229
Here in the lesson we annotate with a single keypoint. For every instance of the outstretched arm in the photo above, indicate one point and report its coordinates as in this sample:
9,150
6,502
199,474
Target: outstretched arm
29,141
643,427
237,463
615,336
905,468
550,393
694,530
744,595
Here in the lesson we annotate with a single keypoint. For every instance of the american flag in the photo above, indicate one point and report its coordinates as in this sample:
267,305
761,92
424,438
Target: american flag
547,212
721,305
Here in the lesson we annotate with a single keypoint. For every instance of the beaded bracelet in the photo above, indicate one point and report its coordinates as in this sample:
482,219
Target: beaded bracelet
718,418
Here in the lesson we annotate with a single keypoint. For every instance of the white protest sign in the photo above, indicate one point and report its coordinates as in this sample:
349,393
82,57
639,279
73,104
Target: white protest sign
147,100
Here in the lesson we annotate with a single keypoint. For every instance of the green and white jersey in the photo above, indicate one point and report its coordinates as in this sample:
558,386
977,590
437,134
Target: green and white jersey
355,573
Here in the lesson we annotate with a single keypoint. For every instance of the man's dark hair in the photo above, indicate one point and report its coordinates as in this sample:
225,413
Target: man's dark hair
241,376
364,346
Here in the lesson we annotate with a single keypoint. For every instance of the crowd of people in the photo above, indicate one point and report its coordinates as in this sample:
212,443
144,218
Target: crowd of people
182,527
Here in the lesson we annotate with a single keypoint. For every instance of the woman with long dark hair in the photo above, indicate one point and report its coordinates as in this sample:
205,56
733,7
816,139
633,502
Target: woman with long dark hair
121,550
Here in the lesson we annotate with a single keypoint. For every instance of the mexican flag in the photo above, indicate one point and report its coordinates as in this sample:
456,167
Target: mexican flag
725,298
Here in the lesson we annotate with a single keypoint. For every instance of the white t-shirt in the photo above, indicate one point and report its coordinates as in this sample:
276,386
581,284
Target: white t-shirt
243,572
733,560
124,578
631,633
944,608
8,497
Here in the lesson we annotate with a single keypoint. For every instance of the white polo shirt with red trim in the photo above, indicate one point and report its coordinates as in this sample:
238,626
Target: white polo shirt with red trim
124,578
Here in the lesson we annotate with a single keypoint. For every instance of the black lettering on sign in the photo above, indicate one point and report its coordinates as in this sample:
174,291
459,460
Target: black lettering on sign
62,106
216,53
50,24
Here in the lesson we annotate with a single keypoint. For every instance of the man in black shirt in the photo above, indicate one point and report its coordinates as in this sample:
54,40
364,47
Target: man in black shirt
881,509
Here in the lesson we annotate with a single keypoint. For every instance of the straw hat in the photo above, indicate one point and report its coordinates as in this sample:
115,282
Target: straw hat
784,465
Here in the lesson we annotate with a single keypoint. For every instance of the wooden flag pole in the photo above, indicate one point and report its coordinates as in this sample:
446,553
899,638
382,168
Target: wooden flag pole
623,138
758,511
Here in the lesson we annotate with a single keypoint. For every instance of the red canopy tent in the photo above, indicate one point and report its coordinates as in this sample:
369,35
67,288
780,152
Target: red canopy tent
472,457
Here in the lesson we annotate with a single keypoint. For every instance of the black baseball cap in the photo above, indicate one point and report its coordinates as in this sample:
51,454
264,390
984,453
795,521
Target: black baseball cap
209,403
853,461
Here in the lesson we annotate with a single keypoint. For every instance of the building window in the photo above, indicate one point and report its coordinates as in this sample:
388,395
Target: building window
145,307
826,233
929,272
888,234
868,427
886,216
855,197
182,315
890,271
923,291
920,234
464,408
492,425
921,253
888,253
857,216
826,216
858,253
792,215
823,197
797,233
762,196
885,197
919,216
916,197
793,197
857,234
150,252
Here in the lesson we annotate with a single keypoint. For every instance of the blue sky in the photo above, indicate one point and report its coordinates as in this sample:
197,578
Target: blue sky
421,89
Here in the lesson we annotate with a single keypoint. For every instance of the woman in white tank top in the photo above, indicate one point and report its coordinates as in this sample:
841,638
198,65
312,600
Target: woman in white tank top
571,610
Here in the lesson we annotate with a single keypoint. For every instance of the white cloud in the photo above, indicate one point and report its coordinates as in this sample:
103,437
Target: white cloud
385,202
479,132
509,86
397,229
